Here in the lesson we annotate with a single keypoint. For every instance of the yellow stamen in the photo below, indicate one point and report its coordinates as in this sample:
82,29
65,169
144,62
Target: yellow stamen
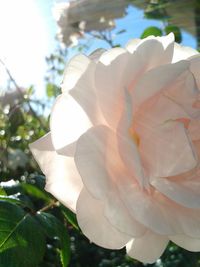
135,137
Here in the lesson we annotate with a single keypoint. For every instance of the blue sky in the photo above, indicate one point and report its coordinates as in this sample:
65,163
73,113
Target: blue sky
27,35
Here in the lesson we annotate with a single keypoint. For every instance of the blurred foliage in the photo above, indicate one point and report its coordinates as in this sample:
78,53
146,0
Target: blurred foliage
35,229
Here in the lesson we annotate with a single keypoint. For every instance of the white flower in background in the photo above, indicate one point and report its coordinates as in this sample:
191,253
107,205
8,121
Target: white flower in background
12,97
79,16
123,152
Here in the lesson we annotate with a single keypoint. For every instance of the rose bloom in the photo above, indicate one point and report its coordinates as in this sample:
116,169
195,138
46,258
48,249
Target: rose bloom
124,148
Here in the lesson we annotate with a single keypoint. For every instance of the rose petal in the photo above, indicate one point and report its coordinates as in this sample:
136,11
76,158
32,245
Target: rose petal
85,95
144,208
63,180
73,71
167,150
107,57
128,149
194,130
95,226
95,55
118,215
194,67
182,52
147,248
156,80
68,121
161,49
186,242
185,191
157,212
185,93
90,160
113,84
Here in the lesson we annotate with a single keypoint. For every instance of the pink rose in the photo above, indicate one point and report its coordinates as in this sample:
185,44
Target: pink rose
124,147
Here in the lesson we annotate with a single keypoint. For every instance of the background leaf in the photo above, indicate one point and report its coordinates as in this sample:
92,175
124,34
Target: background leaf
22,240
54,228
151,31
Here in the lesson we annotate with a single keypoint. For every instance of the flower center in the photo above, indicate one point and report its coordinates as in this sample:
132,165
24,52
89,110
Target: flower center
134,136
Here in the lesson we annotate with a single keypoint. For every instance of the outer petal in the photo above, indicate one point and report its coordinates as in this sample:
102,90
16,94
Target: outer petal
95,226
182,52
73,71
63,180
98,168
161,49
118,215
84,93
186,242
113,84
91,162
68,121
147,248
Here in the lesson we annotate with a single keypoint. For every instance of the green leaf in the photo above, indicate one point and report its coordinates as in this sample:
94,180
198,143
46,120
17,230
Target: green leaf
176,30
52,90
70,217
54,228
2,192
22,240
13,199
35,192
151,31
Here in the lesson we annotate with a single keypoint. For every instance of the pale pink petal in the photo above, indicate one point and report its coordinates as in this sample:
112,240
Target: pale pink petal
132,45
185,93
107,57
182,52
62,178
183,220
161,50
74,70
194,67
157,111
186,242
144,208
157,212
128,148
95,226
109,91
186,192
68,121
194,130
147,248
167,150
118,215
93,155
91,162
156,80
85,95
95,56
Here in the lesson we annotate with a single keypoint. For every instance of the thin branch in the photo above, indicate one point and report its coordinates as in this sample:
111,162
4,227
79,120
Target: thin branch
50,206
21,94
